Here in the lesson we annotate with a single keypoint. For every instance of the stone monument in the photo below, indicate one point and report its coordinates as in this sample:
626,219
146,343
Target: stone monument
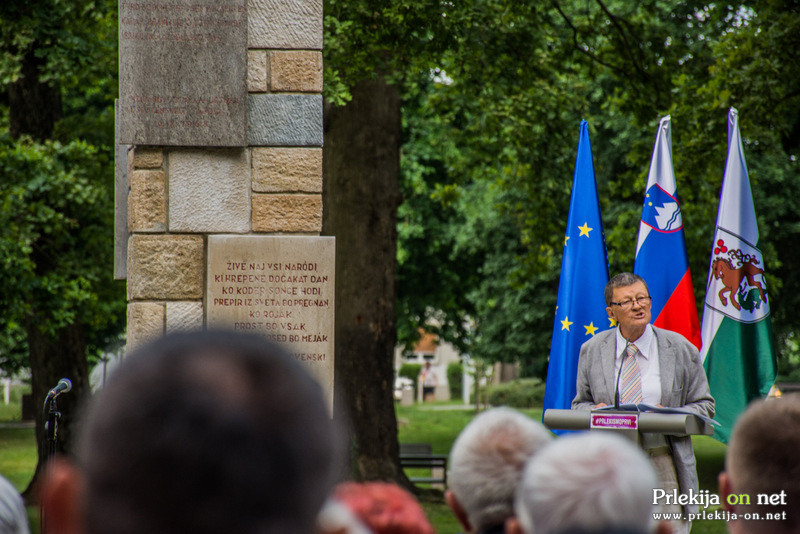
219,172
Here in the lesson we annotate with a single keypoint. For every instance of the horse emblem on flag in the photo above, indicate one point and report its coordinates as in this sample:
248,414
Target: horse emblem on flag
737,279
661,212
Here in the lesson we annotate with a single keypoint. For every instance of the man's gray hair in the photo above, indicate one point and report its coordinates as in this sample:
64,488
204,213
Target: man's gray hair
622,280
593,480
487,460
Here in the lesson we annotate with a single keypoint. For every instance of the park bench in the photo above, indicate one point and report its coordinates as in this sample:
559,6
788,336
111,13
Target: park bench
420,455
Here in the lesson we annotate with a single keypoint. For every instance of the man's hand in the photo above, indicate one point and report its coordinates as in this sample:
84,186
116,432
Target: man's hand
601,405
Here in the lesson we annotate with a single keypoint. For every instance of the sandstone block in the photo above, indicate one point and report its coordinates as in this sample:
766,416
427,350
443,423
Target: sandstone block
284,169
285,120
145,323
296,70
284,24
165,267
147,201
287,213
184,316
257,71
209,190
147,157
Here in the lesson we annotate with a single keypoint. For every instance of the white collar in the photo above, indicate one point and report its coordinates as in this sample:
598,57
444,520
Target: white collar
642,343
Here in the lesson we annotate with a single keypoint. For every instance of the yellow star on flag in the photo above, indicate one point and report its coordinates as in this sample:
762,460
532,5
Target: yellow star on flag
612,322
565,324
566,238
585,229
590,329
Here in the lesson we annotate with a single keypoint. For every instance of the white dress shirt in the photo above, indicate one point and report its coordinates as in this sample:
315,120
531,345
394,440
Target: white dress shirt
650,371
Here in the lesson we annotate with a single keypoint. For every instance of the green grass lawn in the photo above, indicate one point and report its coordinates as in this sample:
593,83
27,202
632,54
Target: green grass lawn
18,449
436,423
17,455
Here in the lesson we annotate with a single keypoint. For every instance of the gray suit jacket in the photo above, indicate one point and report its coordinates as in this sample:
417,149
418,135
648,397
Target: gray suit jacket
683,385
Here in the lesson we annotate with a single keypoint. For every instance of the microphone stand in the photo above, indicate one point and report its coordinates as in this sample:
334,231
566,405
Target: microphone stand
51,428
50,415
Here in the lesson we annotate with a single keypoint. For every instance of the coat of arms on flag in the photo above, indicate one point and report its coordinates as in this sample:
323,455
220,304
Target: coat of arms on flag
661,210
737,286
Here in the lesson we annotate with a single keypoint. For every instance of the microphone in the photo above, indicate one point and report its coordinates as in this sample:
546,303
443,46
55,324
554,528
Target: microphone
619,374
63,386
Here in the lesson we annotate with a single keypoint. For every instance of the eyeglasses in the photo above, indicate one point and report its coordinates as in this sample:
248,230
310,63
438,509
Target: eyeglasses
626,304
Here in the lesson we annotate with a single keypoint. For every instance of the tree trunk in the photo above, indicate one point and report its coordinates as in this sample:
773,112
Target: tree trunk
361,193
34,107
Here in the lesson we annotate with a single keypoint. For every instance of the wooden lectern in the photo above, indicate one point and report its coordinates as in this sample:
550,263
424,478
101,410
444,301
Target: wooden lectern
628,423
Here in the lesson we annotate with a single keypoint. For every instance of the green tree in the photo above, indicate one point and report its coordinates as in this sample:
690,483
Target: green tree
61,304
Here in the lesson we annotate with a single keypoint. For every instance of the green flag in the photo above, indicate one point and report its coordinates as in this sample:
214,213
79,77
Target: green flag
738,349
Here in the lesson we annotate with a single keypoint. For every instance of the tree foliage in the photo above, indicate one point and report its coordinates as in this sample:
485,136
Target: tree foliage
494,144
56,192
56,214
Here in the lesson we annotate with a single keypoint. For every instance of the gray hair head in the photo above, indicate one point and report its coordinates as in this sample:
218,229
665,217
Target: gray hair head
593,480
487,460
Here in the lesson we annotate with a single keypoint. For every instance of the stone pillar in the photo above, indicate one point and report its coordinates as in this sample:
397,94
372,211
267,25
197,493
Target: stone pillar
223,138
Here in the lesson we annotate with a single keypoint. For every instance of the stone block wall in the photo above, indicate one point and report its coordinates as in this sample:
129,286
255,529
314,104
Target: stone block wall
179,196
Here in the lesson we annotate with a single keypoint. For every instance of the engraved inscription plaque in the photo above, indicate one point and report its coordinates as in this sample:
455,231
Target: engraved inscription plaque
183,67
281,287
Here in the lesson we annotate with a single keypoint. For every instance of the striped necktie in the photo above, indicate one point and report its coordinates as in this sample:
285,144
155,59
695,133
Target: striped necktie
631,381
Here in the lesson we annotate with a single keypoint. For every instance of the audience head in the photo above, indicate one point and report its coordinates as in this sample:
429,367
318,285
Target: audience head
206,432
594,481
385,508
13,519
486,463
762,459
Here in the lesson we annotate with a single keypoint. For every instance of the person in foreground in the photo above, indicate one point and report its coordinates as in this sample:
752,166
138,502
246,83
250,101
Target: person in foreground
486,463
13,519
762,464
384,507
205,432
654,366
590,483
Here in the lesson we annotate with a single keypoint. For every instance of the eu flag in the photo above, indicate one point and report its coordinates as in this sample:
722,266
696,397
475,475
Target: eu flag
581,308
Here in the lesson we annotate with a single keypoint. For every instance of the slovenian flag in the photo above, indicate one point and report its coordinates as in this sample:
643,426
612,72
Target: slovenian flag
661,257
738,346
581,307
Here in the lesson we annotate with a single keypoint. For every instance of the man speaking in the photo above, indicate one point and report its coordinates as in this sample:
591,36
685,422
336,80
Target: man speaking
654,366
